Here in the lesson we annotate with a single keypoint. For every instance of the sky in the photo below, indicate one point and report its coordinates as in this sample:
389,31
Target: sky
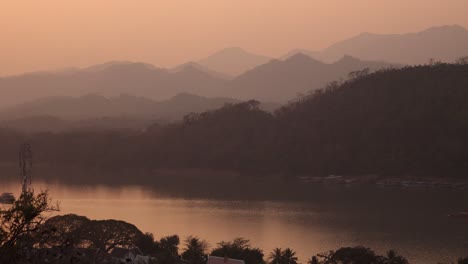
53,34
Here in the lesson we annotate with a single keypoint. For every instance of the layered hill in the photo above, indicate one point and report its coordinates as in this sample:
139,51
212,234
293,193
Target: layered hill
397,122
445,43
408,121
233,61
275,81
96,112
110,79
283,80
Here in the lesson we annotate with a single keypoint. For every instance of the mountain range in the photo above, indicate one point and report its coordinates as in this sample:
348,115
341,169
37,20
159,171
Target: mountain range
445,43
274,81
284,80
238,74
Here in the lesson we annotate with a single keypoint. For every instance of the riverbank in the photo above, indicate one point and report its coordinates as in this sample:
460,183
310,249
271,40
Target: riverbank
385,181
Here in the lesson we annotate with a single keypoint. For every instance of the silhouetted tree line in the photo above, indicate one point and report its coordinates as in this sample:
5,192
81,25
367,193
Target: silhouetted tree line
411,120
27,236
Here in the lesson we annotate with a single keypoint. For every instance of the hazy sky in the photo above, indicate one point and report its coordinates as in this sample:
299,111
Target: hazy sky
50,34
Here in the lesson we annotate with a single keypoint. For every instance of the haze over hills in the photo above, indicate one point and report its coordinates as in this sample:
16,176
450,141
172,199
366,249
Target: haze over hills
444,43
96,106
405,121
265,79
46,123
94,112
186,66
283,80
110,79
275,81
233,61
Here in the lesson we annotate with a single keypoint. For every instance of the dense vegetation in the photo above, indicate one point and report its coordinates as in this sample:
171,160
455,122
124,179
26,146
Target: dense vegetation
27,236
396,121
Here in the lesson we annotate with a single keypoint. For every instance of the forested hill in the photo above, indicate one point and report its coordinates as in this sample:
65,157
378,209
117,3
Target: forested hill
399,121
410,120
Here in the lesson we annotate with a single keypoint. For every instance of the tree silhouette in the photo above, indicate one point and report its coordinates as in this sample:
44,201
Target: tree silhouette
279,256
239,248
195,250
20,223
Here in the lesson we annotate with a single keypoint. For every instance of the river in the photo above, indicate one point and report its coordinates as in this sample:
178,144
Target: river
412,221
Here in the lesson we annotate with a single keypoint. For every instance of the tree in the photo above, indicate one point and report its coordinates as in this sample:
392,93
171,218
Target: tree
170,244
167,249
20,222
354,255
286,256
351,255
63,231
313,260
276,256
289,256
195,250
146,244
108,234
393,258
239,248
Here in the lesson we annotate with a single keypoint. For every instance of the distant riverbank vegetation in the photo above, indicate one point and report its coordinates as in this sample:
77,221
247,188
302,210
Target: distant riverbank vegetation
406,121
27,236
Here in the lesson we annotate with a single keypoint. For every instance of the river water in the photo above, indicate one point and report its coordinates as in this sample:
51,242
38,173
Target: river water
412,221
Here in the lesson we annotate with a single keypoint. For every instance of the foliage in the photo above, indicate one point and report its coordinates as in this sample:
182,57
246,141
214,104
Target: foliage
167,249
108,234
195,250
239,248
62,231
410,120
359,254
20,223
279,256
78,231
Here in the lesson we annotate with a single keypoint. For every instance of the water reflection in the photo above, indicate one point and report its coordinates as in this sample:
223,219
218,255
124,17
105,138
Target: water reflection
414,222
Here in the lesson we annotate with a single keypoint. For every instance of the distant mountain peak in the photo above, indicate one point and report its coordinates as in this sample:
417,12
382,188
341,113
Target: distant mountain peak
188,67
194,67
300,57
233,61
348,59
112,65
446,28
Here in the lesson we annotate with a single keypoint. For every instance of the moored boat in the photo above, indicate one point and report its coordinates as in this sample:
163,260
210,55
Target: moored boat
7,198
459,215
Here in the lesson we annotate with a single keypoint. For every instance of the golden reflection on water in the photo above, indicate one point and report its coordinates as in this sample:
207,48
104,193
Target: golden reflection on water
302,225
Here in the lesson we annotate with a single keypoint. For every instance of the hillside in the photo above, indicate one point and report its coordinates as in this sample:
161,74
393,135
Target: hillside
407,121
281,81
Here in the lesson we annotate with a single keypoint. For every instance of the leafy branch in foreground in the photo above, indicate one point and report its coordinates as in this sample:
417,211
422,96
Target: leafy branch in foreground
20,222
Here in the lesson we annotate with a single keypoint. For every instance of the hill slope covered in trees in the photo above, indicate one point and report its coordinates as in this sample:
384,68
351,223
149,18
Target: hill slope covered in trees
408,121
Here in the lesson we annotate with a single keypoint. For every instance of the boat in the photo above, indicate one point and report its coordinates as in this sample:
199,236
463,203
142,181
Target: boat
460,215
7,198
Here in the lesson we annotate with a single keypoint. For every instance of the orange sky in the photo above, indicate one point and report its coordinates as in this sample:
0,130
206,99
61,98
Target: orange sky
50,34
